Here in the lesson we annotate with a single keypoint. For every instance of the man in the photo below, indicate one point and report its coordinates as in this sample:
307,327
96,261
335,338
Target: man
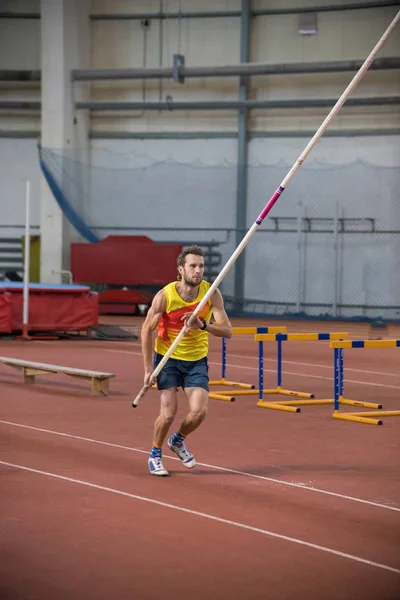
187,367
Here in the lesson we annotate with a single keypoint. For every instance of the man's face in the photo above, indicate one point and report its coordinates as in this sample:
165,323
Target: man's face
193,270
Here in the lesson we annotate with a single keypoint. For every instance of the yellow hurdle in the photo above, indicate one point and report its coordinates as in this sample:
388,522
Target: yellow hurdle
305,398
369,418
238,384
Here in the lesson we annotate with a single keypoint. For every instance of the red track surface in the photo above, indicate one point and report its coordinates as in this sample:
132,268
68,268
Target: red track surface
250,522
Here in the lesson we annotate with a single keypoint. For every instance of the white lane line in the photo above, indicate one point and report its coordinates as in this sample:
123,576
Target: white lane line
230,365
216,467
196,513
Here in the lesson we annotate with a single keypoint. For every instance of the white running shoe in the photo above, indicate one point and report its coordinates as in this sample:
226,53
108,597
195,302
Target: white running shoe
156,466
183,453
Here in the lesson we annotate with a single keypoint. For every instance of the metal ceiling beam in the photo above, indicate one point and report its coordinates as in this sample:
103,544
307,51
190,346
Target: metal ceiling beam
19,134
327,8
328,133
207,135
237,13
207,105
164,15
235,104
214,14
26,75
229,135
163,135
249,69
20,105
20,75
19,15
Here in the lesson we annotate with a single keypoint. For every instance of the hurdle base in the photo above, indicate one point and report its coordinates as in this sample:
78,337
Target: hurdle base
282,392
356,418
224,397
277,391
278,406
250,392
348,402
358,403
305,402
381,413
367,417
223,381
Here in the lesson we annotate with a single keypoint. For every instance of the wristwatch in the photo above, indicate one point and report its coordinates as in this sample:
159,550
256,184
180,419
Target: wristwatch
204,325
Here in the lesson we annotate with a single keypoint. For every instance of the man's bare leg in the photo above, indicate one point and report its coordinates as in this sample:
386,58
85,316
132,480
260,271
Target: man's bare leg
168,409
198,406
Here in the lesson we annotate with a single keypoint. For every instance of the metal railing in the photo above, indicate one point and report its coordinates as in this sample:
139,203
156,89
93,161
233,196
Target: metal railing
334,266
323,265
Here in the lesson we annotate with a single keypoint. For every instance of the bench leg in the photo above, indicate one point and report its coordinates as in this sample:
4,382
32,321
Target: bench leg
28,377
99,387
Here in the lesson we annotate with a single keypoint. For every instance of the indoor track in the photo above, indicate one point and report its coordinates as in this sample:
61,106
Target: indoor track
281,506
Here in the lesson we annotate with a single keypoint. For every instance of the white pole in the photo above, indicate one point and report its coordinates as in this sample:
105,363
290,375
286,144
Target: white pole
25,320
353,83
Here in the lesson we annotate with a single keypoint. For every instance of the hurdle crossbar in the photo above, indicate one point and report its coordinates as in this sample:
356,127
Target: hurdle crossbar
300,337
366,344
371,417
230,395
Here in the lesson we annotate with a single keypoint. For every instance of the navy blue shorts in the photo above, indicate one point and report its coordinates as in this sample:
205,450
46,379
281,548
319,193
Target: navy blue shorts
182,373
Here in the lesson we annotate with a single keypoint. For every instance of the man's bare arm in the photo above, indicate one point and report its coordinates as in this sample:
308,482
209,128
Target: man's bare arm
222,326
153,317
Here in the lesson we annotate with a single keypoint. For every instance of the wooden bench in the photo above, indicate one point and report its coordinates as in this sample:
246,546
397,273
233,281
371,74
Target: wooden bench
99,381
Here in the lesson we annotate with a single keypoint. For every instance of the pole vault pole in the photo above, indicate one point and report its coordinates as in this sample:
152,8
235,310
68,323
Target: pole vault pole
354,82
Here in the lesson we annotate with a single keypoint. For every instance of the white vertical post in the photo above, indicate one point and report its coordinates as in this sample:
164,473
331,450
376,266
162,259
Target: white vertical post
336,259
27,255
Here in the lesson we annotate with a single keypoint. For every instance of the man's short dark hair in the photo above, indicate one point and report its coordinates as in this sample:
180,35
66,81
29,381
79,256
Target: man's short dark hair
196,250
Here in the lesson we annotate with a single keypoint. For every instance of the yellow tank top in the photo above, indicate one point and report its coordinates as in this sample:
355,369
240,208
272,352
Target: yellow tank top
193,345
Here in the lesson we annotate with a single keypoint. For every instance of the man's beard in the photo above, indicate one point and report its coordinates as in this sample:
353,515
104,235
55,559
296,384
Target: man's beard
190,282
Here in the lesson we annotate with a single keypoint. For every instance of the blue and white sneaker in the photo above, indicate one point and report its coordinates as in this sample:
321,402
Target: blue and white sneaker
182,452
156,466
